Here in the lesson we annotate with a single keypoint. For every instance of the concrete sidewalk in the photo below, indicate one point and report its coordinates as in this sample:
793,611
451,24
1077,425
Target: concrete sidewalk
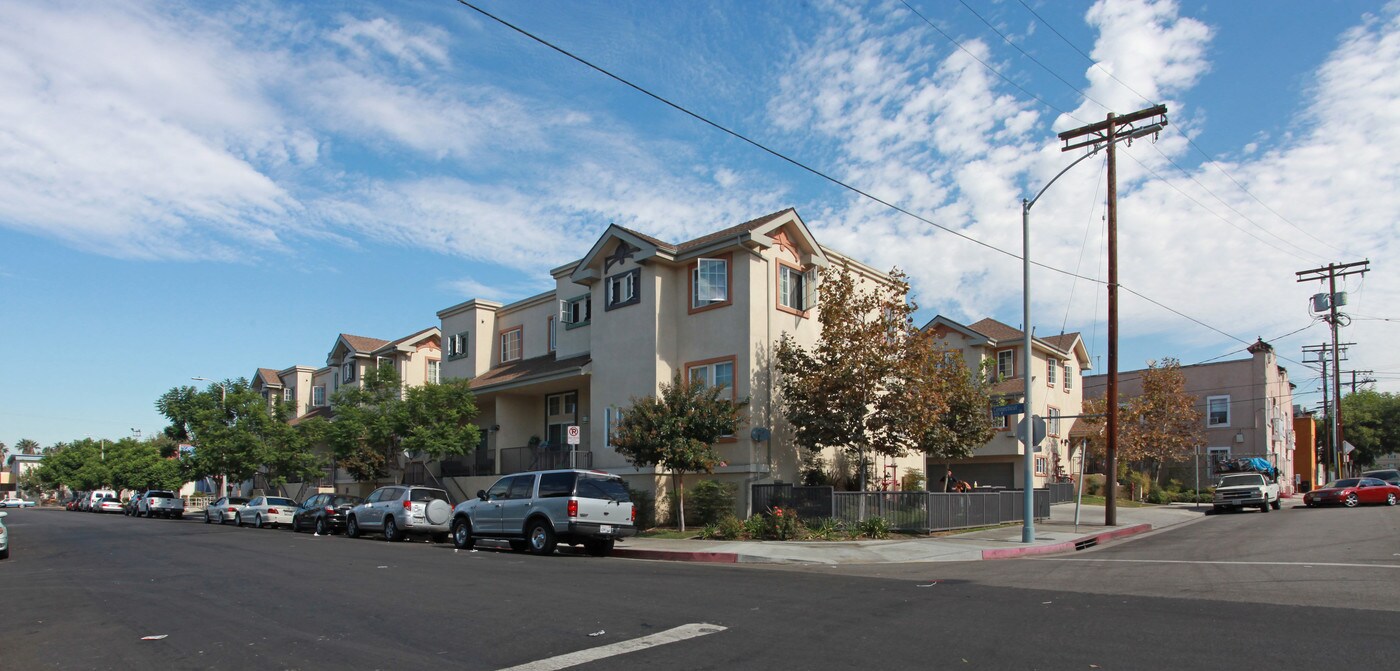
1056,534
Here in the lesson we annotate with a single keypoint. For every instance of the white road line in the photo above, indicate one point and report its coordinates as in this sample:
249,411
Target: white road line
1237,563
680,633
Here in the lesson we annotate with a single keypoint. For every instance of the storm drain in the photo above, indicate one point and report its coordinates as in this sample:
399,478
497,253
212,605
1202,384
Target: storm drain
1086,543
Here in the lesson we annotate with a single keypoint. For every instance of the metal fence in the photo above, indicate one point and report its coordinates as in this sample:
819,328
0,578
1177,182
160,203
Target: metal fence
1061,492
521,459
809,502
918,512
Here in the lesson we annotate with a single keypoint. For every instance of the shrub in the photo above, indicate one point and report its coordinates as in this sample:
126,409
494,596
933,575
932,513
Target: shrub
753,527
727,528
709,501
783,525
912,480
872,527
826,529
1093,484
645,504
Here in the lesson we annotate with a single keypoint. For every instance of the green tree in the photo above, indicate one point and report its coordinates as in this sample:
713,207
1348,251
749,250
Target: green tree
435,420
934,404
1371,422
139,465
1161,425
362,436
26,446
227,426
677,431
830,392
79,465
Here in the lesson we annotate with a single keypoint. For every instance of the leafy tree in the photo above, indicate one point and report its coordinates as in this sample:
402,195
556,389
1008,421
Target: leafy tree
830,392
230,428
1371,422
934,404
79,465
677,431
26,446
362,435
139,465
436,419
1158,426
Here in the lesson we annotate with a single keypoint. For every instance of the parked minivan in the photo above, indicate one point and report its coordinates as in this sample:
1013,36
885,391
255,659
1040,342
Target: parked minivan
537,511
95,497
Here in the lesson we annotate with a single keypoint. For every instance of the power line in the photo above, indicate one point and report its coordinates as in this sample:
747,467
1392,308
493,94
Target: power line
1209,159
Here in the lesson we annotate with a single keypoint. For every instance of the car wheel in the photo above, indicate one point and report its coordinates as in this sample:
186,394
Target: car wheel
1264,507
1276,505
206,518
1390,499
541,537
391,531
238,519
352,528
599,548
257,521
5,554
462,537
321,527
1350,501
223,518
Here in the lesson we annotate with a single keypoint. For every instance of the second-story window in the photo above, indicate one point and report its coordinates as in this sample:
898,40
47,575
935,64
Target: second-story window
714,374
347,372
289,393
792,288
1217,411
457,345
434,371
623,290
318,395
576,311
709,283
512,342
1006,364
552,332
1069,378
1052,366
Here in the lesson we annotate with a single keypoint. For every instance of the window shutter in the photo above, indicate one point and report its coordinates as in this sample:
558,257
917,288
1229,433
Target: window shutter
809,288
564,312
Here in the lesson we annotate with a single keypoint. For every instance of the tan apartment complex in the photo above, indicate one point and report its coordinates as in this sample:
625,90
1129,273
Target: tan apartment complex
1056,366
632,313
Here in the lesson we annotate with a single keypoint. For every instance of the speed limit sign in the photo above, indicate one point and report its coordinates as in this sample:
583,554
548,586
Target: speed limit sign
573,434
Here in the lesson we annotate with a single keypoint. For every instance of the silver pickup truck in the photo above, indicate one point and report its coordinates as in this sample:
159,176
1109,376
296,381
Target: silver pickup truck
537,511
1246,490
160,503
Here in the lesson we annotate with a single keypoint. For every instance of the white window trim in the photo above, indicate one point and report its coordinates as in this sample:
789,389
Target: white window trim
1052,368
1011,359
434,371
1069,377
787,275
714,297
626,282
347,371
1226,423
520,347
321,388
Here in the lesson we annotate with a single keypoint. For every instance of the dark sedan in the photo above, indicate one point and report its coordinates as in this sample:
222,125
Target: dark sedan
1351,492
325,513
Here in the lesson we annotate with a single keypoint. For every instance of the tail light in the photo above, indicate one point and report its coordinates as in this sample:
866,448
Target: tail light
408,505
573,508
330,510
634,513
272,511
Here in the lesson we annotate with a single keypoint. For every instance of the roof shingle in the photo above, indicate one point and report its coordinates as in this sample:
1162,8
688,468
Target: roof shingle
363,344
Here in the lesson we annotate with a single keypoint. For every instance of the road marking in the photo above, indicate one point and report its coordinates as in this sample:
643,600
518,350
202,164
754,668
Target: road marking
680,633
1237,563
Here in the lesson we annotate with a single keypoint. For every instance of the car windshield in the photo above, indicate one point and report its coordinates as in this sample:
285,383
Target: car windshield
1341,484
346,501
602,487
159,495
1241,480
424,495
237,500
281,502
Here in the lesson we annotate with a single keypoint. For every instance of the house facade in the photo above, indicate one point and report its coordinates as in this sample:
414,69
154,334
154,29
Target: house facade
1056,366
1246,407
632,313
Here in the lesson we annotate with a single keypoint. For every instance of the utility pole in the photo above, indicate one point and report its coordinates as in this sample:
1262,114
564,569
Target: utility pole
1324,358
1354,381
1107,131
1331,272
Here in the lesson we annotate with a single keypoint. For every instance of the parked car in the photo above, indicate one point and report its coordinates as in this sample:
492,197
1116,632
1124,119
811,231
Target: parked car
161,503
265,511
325,513
73,501
537,511
1351,492
17,503
132,505
1390,475
225,509
94,497
4,538
402,510
108,504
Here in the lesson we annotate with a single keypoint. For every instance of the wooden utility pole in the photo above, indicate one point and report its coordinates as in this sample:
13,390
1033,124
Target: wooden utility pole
1331,272
1110,131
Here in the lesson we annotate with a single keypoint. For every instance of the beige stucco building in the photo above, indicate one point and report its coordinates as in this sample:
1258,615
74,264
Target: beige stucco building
1246,406
1056,367
631,314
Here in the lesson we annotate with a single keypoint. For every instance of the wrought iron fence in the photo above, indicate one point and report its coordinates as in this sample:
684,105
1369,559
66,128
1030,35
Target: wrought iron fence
918,512
1060,492
521,459
905,511
810,502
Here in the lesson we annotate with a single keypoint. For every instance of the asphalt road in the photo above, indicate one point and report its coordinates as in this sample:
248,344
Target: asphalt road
81,590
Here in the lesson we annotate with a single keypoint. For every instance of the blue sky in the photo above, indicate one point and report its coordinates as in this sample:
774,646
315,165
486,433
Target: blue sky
194,189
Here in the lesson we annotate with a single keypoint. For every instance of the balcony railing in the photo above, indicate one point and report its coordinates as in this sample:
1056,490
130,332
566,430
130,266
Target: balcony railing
543,458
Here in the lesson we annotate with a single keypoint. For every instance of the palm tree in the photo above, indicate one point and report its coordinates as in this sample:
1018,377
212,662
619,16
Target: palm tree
27,446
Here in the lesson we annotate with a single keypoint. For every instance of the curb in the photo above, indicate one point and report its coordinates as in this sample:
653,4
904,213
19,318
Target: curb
1082,543
677,555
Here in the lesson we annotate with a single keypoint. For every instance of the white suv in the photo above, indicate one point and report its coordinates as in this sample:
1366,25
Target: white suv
539,510
400,510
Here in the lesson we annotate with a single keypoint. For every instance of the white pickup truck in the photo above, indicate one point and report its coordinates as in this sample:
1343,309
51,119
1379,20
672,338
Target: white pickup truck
1246,490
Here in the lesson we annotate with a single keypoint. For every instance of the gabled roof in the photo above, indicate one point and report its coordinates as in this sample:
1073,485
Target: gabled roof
414,339
1068,344
268,377
940,320
646,246
361,343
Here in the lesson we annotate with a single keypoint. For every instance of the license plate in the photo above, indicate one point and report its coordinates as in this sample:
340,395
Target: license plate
605,529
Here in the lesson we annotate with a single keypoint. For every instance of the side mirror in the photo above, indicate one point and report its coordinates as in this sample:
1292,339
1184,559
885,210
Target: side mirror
481,494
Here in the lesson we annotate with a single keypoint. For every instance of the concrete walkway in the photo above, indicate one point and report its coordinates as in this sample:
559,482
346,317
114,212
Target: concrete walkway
1057,534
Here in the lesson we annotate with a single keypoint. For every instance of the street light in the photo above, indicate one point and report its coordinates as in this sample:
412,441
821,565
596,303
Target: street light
1028,430
223,405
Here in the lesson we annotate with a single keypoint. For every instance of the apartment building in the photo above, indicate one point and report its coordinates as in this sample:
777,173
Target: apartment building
1056,365
631,314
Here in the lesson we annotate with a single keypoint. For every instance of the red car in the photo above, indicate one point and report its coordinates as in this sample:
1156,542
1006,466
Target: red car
1351,492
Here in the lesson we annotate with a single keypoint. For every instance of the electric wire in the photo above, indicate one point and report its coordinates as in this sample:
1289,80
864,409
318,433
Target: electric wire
1088,226
818,173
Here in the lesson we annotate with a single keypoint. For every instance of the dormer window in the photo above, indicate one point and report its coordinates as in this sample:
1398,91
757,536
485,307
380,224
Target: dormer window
512,342
795,288
576,311
623,290
709,283
457,345
347,372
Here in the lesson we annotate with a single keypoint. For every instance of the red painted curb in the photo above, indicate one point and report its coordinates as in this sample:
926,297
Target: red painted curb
678,555
1008,553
